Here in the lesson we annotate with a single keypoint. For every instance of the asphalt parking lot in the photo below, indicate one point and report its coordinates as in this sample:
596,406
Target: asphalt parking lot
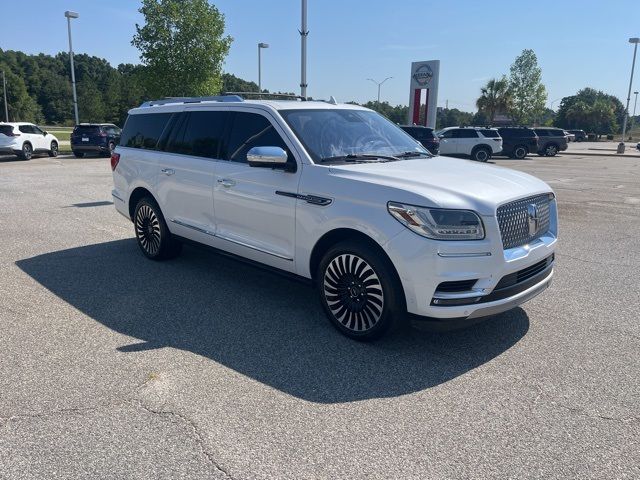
112,366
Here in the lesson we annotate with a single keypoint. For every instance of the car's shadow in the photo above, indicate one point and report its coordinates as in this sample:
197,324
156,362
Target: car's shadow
260,324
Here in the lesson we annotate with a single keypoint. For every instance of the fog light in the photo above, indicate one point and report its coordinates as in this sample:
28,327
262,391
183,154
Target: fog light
449,302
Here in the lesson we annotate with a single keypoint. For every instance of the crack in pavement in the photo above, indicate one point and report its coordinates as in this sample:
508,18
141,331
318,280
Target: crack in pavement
593,261
132,403
577,410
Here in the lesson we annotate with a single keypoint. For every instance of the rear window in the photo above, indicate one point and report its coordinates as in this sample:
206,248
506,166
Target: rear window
144,130
490,133
86,130
6,129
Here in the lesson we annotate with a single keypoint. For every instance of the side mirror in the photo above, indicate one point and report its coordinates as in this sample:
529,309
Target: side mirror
45,133
269,157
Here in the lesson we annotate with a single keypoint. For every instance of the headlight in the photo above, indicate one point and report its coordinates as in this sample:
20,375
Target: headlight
438,223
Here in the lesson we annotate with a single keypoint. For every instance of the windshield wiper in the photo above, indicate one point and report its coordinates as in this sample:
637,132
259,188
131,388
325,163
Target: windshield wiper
410,154
361,157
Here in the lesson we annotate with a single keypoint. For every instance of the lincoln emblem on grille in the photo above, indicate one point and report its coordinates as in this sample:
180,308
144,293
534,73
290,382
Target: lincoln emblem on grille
532,213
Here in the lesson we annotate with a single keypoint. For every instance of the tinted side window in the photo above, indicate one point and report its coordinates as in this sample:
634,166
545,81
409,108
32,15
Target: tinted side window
506,133
466,133
252,130
448,134
541,133
200,135
490,133
144,130
26,129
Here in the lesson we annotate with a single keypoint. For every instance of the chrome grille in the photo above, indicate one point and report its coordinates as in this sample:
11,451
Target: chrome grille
513,219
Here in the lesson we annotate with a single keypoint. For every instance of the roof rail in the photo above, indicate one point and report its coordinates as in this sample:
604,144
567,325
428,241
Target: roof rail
216,98
277,95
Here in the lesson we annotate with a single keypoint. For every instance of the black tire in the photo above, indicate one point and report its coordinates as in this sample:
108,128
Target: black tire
153,236
551,150
27,151
359,291
481,154
78,154
53,150
520,151
579,139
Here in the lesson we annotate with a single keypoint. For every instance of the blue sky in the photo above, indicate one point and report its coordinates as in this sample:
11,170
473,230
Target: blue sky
578,43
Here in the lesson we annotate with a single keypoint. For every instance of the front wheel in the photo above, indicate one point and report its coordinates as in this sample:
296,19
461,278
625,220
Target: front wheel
359,291
53,149
551,150
154,238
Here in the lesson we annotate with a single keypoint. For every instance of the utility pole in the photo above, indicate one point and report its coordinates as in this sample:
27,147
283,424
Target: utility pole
303,47
621,145
260,47
69,16
6,105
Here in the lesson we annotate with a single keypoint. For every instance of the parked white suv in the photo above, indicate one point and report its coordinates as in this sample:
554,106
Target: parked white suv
477,143
25,139
338,195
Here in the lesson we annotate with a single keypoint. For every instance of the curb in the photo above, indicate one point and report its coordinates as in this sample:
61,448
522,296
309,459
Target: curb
593,154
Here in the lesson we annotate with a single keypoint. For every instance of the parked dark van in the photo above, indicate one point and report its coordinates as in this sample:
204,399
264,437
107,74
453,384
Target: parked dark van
518,142
424,135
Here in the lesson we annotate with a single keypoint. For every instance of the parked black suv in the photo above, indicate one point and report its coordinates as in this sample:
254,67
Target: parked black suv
550,141
425,136
518,142
581,135
100,138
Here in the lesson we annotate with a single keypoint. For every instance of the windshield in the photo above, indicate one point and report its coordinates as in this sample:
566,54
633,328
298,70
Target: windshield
334,133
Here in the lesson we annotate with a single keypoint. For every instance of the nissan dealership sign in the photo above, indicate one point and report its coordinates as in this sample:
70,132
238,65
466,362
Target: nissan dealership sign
424,91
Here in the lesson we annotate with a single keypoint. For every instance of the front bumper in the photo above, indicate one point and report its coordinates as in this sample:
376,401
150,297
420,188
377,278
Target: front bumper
423,265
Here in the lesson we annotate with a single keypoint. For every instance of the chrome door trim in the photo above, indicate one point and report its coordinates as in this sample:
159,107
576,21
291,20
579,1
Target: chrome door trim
464,255
193,227
252,247
232,240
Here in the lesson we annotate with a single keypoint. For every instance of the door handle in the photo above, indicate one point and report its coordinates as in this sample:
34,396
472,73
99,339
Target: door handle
168,171
225,182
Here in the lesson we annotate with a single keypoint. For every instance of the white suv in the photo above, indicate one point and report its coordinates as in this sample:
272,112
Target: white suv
477,143
25,139
338,195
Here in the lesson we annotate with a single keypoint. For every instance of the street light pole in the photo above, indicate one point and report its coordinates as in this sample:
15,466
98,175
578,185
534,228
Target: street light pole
635,41
6,106
304,33
69,16
379,84
633,117
260,47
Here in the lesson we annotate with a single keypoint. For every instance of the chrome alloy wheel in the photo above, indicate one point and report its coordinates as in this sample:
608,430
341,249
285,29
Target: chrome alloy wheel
148,229
353,292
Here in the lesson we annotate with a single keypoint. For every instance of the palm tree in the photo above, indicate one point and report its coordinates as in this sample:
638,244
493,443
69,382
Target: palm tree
494,97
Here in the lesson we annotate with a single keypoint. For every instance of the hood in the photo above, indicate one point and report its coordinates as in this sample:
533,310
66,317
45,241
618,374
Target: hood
447,182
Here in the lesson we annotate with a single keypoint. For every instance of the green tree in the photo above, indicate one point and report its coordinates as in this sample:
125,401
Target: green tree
22,108
182,46
495,97
528,94
591,110
452,117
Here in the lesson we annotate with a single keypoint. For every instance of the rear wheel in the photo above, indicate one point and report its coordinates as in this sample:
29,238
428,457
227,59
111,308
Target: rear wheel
520,152
78,154
481,154
27,151
53,150
154,238
359,291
